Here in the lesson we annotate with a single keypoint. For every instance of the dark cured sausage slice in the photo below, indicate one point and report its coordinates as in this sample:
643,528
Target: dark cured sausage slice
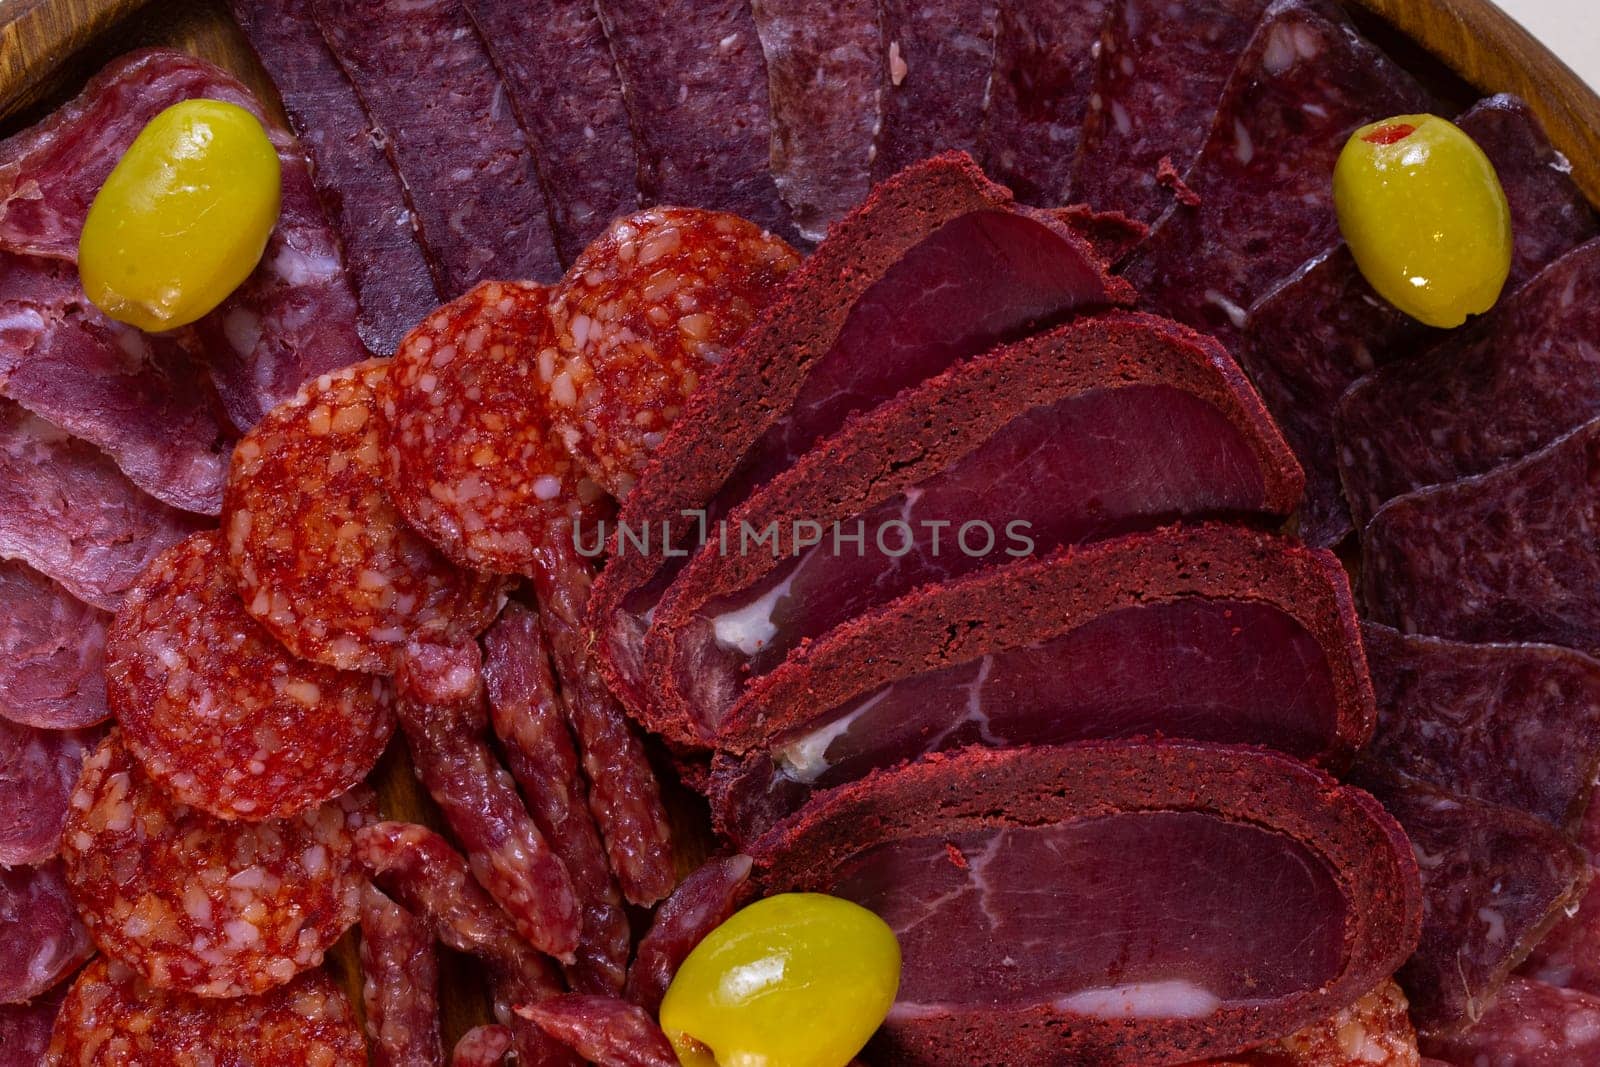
1137,840
25,1028
1214,634
38,770
357,184
1109,424
559,72
695,84
52,653
1533,1024
427,82
1158,75
399,985
111,1018
825,61
1503,556
702,902
938,61
41,939
939,261
325,561
603,1030
1569,955
219,713
193,903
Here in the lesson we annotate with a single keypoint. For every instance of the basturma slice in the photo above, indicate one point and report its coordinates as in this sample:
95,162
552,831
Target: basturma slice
1262,199
937,266
1503,556
1294,896
52,653
1214,633
1109,424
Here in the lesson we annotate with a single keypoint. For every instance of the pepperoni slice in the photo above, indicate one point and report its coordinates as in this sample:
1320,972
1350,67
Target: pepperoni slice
111,1019
38,769
652,305
325,561
41,939
218,712
197,904
470,456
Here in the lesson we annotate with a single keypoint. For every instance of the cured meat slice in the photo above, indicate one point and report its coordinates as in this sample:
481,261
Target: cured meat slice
41,939
1570,955
939,262
67,512
1512,383
1533,1024
444,714
141,398
1108,424
482,1046
603,1030
1494,881
1517,725
110,1017
702,902
219,713
193,903
531,724
52,654
1038,94
356,183
1503,556
940,59
825,61
427,81
400,985
1157,77
25,1029
559,72
38,770
325,561
1139,840
1214,633
1261,183
624,795
695,84
1375,1031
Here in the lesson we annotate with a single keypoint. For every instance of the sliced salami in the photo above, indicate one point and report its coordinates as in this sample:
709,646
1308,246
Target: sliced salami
38,770
52,653
25,1029
428,83
110,1018
193,903
41,939
646,312
704,900
603,1030
444,714
1533,1024
325,561
695,84
558,70
938,62
470,457
1503,556
400,985
482,1046
219,713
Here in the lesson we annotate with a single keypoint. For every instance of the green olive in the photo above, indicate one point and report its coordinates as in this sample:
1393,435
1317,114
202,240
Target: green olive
796,980
1424,215
183,217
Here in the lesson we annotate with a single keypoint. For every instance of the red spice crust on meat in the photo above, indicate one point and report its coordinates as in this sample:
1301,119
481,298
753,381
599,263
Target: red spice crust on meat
760,379
1029,601
977,789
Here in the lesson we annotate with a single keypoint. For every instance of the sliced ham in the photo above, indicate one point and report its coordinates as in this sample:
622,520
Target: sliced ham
1533,1024
938,61
1503,556
1108,424
52,653
1294,895
1213,633
937,266
38,770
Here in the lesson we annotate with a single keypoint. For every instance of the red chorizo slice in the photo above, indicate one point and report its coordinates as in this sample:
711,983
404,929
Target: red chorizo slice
642,315
112,1019
198,904
218,712
324,560
470,457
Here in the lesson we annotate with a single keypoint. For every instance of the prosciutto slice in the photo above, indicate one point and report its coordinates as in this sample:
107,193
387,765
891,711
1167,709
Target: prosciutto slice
1503,556
1296,896
938,62
1108,424
52,653
937,266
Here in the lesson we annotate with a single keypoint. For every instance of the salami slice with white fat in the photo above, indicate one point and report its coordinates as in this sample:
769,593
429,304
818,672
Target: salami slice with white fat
41,939
193,903
38,769
324,560
25,1029
218,712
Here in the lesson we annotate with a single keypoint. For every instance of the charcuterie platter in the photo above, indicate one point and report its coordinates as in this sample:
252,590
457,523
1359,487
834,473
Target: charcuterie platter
1002,532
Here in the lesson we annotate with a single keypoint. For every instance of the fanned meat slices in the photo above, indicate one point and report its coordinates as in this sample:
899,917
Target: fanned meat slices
41,939
38,771
938,62
52,653
1299,895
